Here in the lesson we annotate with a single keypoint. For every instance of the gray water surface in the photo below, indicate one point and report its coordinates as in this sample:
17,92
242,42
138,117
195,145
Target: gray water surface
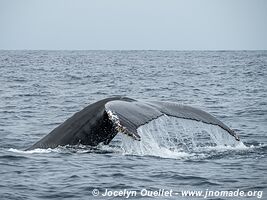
41,89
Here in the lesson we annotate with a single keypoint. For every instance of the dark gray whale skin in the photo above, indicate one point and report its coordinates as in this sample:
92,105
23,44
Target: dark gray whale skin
95,124
89,126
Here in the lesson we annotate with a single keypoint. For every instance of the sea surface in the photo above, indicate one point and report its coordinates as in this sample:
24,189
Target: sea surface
41,89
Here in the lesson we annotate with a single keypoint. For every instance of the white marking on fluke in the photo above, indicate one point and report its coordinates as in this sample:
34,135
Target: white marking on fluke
120,128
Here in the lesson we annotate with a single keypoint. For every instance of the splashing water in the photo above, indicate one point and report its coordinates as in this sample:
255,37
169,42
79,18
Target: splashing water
177,138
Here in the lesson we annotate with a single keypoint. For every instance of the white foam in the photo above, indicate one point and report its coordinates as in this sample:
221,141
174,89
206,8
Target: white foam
240,146
34,151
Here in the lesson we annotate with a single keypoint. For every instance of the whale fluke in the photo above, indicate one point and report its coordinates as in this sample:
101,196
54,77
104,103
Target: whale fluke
102,120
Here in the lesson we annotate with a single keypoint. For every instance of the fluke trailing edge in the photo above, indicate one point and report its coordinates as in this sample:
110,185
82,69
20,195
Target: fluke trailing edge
102,120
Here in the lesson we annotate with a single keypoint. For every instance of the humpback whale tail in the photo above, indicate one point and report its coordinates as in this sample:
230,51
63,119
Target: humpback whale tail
101,121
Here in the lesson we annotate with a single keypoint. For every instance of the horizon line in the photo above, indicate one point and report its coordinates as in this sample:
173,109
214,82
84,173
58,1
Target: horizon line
133,49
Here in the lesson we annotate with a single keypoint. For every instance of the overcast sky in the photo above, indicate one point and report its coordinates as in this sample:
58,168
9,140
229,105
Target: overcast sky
134,24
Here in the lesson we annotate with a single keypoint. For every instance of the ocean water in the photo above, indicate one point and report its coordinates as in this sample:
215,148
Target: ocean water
41,89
